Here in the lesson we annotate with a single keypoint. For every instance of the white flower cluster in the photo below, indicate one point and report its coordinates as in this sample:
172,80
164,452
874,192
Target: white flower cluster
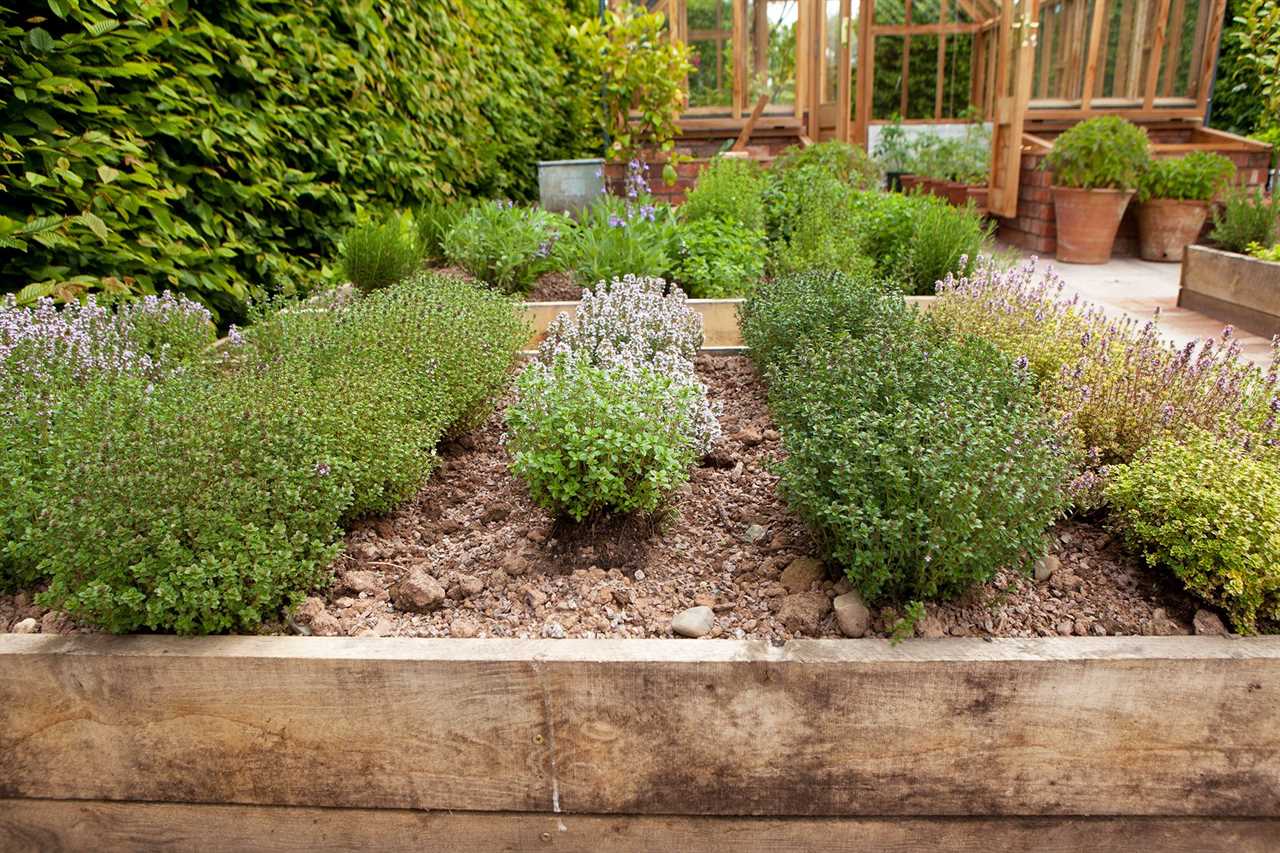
633,325
629,319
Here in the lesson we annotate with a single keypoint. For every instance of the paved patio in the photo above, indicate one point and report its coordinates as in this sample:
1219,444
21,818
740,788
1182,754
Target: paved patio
1128,286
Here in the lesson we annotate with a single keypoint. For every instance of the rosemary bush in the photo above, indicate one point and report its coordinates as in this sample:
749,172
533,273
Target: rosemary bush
1246,217
380,253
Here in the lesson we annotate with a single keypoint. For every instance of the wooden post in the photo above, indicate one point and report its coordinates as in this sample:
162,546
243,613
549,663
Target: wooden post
1210,53
1096,23
866,65
943,11
1157,54
741,74
741,142
906,60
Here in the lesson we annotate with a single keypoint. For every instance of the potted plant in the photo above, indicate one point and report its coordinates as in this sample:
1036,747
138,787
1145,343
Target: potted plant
1174,196
1096,166
893,153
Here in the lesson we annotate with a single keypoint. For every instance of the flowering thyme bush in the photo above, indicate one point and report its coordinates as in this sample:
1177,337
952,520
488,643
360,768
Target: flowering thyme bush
1121,383
506,246
51,360
1209,511
206,499
610,417
632,319
922,464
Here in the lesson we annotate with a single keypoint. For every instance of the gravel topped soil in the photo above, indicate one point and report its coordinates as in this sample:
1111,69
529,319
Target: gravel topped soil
472,556
555,287
478,558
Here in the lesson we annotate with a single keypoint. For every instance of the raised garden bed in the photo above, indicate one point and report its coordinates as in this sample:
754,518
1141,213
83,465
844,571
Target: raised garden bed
1235,289
155,743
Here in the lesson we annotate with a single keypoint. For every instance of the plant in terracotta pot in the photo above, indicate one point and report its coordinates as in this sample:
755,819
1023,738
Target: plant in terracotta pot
1096,166
893,154
1174,196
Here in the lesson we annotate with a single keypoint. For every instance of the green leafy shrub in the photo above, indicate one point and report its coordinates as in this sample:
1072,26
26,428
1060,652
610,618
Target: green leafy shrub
1198,176
719,258
209,499
51,359
1262,253
730,189
617,237
1209,511
380,253
1106,152
506,246
922,464
639,72
220,149
1246,217
795,312
791,194
434,221
589,440
848,163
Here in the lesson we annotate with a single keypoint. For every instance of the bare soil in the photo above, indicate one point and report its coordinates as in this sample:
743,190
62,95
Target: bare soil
555,287
507,569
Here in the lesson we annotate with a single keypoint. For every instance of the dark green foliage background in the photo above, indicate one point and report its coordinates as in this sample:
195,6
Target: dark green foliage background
219,149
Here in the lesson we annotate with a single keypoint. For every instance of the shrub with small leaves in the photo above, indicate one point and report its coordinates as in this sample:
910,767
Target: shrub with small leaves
633,318
719,258
1246,217
849,163
590,440
1209,511
922,464
209,499
729,189
380,253
506,246
1262,253
800,311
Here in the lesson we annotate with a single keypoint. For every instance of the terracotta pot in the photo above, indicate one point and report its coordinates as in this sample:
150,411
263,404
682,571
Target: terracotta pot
1087,223
1166,226
955,192
909,182
978,195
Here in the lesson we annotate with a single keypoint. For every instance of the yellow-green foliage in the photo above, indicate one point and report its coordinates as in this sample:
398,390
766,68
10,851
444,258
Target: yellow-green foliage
1209,511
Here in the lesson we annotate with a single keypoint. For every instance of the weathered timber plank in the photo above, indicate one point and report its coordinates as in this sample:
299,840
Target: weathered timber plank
61,826
1105,726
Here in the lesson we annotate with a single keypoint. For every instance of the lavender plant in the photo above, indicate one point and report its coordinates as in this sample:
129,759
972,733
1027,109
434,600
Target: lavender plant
1117,381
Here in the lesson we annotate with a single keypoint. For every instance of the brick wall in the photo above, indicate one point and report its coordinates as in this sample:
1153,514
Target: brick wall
1034,229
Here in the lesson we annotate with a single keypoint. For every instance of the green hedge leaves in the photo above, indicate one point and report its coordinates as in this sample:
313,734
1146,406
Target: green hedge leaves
220,150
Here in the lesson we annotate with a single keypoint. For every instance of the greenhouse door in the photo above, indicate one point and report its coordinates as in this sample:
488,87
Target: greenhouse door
837,36
1019,20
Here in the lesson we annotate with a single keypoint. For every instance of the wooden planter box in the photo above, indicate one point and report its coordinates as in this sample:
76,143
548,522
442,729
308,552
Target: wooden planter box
1235,289
719,320
299,743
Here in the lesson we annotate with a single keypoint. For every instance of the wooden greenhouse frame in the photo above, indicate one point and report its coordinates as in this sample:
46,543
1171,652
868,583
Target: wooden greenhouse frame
1031,67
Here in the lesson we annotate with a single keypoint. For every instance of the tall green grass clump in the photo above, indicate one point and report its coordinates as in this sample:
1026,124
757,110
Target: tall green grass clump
380,253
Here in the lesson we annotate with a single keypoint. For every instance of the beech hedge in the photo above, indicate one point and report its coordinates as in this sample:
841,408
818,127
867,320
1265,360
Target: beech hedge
219,149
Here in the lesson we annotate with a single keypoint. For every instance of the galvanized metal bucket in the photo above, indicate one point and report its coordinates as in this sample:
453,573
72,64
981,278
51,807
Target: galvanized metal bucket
568,186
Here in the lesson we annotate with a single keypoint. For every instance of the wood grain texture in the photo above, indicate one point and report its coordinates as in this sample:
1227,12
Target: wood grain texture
50,826
1106,726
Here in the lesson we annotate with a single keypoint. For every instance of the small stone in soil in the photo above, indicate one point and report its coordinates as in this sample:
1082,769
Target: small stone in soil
802,612
1208,623
754,533
694,622
418,592
852,614
802,573
463,628
1045,567
26,626
553,631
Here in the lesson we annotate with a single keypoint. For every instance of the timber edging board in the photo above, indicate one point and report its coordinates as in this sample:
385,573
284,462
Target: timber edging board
1112,726
719,319
1232,288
